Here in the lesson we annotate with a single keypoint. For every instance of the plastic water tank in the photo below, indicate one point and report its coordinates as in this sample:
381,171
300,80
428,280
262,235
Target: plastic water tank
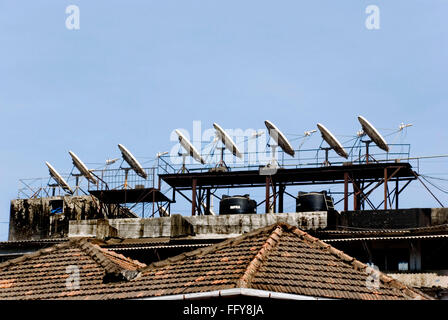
237,204
314,201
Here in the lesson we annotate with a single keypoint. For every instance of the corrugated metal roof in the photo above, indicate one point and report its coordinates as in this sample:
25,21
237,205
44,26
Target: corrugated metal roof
161,247
56,240
389,238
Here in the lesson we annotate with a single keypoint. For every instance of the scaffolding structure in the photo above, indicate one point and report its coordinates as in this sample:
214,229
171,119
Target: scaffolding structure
365,171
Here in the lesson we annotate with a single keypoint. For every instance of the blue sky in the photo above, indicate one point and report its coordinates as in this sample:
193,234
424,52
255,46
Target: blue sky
136,70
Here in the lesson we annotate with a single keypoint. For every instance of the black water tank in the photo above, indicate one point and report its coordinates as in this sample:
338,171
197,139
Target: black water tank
237,205
314,201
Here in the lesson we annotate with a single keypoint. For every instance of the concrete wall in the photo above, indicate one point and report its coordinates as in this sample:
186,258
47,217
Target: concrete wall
439,216
222,226
240,223
394,219
31,219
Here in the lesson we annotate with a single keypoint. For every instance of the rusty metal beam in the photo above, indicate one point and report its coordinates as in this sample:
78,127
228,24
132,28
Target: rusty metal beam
207,202
281,192
355,186
193,198
385,188
274,200
396,193
345,191
267,193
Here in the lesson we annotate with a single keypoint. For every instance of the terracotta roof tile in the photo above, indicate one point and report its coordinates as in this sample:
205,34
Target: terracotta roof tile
278,258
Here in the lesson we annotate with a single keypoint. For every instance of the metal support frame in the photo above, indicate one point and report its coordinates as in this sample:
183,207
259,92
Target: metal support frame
193,198
281,192
345,191
267,205
367,156
326,162
361,195
363,185
274,192
221,163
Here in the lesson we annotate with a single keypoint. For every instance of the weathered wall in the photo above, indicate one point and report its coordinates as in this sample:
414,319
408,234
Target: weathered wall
439,216
31,219
240,223
198,226
394,219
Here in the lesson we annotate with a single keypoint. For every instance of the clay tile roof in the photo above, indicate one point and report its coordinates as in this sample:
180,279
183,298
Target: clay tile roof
279,258
44,274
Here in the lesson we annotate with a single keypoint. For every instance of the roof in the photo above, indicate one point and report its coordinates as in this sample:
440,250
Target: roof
435,236
418,231
44,273
278,258
117,244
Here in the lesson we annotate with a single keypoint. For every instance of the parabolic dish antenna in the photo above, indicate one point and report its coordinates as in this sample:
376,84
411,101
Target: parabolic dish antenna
82,167
332,141
279,138
189,147
132,161
56,176
373,134
227,141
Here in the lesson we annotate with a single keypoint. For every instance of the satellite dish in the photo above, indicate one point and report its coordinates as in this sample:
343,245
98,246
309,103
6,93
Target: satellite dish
189,147
279,138
56,176
332,141
373,134
82,167
227,141
130,159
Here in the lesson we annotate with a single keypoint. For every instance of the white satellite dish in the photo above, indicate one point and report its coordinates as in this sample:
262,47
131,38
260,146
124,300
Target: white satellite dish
279,138
56,176
332,141
189,147
132,161
227,141
82,167
373,134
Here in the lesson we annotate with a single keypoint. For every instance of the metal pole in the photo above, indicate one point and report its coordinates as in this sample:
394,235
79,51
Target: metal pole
267,194
367,152
385,188
274,200
207,202
281,191
396,193
346,191
153,202
193,198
